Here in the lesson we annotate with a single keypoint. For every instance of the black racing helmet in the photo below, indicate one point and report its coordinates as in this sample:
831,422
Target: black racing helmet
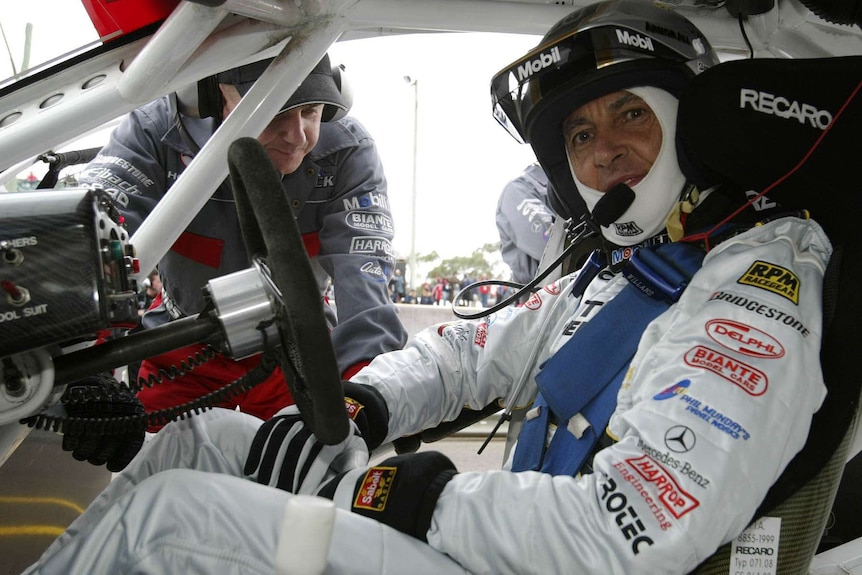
596,50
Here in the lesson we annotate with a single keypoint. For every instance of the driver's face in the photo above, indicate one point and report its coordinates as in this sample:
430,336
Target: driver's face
612,139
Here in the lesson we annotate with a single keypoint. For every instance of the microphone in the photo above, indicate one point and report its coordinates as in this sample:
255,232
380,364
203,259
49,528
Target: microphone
612,205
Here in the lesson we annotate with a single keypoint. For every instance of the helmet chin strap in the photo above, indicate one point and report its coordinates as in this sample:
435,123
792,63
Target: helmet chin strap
655,195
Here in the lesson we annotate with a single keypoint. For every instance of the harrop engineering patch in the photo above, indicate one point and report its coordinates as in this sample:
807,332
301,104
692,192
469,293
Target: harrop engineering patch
772,278
374,490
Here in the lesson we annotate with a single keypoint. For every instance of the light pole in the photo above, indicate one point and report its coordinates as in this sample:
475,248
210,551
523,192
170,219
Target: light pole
414,83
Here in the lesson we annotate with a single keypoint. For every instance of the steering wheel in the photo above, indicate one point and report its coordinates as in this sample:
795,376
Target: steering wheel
272,238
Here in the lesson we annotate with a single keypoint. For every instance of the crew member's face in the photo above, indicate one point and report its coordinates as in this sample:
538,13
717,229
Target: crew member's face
289,137
612,139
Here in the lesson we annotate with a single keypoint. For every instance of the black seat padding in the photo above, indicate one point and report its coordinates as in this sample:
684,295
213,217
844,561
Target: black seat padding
749,123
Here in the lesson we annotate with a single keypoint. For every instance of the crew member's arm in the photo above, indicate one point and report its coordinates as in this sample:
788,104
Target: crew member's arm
356,251
131,165
524,223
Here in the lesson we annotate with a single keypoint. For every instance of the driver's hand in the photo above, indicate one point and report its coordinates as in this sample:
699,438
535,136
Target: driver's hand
285,454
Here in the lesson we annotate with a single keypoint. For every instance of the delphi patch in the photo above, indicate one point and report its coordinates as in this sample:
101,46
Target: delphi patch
374,490
773,278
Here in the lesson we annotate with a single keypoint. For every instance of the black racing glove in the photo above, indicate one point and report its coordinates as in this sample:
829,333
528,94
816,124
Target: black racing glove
366,407
102,396
401,491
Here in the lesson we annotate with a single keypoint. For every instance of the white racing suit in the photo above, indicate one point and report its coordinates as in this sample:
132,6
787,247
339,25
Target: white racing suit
735,362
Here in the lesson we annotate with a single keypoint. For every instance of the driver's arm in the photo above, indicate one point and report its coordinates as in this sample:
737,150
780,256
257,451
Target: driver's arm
647,508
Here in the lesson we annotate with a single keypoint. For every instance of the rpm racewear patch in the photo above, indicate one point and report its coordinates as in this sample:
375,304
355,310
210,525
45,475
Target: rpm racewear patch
772,278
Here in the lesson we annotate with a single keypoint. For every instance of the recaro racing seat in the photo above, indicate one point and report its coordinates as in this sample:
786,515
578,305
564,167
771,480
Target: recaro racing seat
789,128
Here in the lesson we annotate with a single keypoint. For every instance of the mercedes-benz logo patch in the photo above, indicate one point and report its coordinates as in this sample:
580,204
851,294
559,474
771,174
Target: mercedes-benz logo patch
679,439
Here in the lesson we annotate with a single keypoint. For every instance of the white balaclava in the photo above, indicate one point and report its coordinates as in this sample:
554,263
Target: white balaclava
658,192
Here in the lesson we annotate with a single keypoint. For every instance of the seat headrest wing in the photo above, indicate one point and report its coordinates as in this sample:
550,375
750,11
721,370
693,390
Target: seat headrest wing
750,122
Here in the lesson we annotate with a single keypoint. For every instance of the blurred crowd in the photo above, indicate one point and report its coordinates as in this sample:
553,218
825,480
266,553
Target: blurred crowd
449,291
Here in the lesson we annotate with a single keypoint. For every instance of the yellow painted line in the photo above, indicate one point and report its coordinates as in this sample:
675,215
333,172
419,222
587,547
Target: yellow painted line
44,500
51,530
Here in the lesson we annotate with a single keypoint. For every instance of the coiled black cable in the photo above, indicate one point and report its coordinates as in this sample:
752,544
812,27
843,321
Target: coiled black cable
118,425
173,372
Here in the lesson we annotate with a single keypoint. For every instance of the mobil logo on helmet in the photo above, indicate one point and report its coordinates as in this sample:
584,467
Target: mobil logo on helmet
744,339
635,40
539,63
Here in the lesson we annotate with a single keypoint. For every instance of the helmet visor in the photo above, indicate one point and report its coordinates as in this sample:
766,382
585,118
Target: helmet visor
571,60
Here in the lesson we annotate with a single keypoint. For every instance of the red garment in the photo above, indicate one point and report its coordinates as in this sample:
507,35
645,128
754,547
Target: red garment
353,370
263,400
437,292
